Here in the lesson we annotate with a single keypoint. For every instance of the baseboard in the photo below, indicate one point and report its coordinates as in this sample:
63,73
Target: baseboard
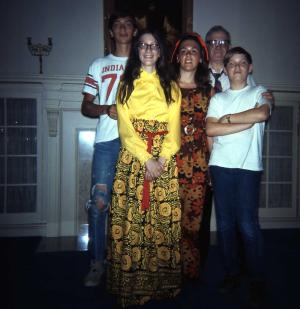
23,230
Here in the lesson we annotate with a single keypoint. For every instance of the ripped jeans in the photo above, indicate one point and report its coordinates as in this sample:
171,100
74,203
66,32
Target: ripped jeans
103,172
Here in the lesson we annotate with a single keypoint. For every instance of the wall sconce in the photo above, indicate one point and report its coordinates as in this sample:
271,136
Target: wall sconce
39,50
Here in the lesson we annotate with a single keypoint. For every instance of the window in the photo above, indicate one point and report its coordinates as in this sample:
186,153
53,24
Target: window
18,155
278,188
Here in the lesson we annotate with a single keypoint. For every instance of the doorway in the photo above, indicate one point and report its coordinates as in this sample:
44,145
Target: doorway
153,14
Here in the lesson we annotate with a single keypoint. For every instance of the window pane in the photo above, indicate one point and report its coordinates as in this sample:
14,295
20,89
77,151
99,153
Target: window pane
282,118
21,112
2,170
280,196
21,170
2,141
280,169
21,141
21,199
1,199
281,143
262,196
264,173
265,143
1,112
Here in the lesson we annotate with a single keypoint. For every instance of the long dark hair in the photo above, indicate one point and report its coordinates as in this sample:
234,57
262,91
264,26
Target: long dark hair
202,79
133,69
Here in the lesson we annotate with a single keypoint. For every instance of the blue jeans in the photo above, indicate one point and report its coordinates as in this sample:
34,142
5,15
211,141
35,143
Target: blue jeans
236,196
103,172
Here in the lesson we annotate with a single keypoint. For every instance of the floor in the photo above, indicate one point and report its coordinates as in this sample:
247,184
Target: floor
48,273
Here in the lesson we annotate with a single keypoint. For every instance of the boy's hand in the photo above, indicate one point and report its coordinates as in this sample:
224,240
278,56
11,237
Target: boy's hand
269,96
223,119
112,111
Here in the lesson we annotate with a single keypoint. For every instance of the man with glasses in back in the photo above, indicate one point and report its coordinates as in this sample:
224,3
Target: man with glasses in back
218,42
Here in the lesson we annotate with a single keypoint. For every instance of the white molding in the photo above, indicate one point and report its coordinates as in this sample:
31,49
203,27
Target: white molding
73,79
53,229
282,224
269,223
18,230
68,81
281,87
52,116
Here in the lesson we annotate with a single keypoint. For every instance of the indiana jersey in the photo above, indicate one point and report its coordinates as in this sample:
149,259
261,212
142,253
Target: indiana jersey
102,82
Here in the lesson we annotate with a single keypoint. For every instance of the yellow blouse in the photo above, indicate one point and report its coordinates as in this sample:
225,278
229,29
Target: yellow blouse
147,102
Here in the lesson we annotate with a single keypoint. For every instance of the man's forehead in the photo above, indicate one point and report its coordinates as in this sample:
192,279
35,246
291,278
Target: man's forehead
124,19
220,35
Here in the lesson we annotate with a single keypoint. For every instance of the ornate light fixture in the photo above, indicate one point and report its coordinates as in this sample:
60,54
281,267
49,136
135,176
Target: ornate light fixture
39,50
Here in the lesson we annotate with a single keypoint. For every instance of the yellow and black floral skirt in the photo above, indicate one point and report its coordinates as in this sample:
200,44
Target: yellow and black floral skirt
143,248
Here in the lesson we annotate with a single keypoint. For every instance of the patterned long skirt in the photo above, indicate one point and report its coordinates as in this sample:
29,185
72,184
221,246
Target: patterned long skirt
143,248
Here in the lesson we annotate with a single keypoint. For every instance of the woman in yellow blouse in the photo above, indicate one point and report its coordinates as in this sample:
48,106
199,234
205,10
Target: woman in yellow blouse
143,250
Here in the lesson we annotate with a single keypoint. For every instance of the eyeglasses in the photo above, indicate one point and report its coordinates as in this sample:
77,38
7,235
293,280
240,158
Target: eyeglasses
242,64
218,42
152,46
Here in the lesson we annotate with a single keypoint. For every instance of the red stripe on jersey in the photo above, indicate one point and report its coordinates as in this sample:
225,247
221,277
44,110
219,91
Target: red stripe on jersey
91,82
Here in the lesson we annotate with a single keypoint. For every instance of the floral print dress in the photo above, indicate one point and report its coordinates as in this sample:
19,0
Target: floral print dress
192,161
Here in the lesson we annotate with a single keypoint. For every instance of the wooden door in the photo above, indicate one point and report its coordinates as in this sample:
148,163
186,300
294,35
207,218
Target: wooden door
170,17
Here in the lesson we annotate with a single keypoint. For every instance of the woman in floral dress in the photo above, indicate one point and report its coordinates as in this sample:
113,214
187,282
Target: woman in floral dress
144,252
190,61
